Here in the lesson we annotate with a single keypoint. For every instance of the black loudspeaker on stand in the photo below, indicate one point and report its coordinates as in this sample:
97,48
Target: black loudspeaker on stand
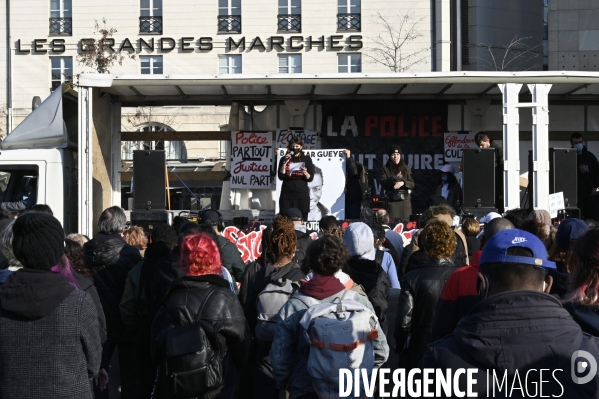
149,189
562,175
478,173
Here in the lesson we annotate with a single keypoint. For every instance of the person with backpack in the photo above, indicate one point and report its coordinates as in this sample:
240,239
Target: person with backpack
420,293
268,290
365,268
303,362
200,339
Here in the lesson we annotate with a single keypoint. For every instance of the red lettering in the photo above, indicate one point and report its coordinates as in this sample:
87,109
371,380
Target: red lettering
387,126
400,127
249,245
372,122
253,138
242,166
436,122
422,132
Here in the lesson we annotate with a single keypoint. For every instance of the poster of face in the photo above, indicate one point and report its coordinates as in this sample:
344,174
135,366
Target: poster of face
327,195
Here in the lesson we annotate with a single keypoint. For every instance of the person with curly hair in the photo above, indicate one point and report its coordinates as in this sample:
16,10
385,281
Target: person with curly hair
283,243
420,290
136,237
289,353
202,297
471,230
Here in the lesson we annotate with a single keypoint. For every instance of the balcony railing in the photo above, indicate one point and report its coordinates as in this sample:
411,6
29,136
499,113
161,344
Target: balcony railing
290,22
349,22
229,23
61,26
150,25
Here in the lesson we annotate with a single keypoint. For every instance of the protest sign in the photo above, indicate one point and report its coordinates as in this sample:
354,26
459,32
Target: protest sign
454,144
284,136
556,202
327,195
251,159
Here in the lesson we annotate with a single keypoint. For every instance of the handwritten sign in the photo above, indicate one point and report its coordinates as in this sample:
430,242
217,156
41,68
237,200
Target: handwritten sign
454,143
284,136
251,159
556,202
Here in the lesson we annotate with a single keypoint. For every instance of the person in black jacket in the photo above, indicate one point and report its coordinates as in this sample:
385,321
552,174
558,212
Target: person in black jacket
449,188
420,290
110,258
588,178
202,297
296,170
231,256
303,239
518,329
284,243
582,302
353,190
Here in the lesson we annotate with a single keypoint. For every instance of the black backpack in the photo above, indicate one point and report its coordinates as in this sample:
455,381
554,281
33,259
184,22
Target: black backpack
376,288
190,364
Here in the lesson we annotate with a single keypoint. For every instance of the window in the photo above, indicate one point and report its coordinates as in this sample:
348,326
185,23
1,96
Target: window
150,20
173,149
290,15
349,15
229,16
151,64
229,64
349,63
61,21
290,63
62,70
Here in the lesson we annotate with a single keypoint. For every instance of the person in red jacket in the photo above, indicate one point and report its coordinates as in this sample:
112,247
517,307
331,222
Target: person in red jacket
459,294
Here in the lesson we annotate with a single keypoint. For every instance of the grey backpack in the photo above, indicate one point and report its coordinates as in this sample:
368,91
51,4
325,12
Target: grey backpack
341,335
268,303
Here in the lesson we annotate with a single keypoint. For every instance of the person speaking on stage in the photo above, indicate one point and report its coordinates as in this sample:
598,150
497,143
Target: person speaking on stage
295,170
396,180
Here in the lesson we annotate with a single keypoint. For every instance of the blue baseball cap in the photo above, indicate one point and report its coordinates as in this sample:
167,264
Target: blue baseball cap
496,249
568,231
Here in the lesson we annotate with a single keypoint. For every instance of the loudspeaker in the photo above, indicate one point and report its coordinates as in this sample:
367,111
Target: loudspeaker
562,175
148,220
479,177
149,180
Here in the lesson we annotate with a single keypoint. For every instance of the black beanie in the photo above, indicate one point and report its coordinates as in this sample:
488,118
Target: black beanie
38,240
395,149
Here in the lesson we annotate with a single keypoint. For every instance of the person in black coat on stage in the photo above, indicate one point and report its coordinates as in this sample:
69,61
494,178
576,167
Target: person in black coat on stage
353,189
294,191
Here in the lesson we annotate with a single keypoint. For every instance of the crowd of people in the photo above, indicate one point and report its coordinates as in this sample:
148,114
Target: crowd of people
510,293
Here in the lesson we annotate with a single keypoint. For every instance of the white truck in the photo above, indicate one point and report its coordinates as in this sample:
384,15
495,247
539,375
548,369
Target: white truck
39,158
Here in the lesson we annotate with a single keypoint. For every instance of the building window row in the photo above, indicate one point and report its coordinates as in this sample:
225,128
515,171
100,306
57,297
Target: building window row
289,18
229,64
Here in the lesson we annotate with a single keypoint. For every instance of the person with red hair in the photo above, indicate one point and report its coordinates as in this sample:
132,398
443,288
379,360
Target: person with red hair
202,297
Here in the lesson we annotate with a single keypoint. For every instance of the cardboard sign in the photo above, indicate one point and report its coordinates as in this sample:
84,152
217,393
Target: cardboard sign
556,202
284,136
327,196
251,160
454,143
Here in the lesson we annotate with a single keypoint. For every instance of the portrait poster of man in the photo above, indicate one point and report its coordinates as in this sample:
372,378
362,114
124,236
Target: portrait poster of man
327,196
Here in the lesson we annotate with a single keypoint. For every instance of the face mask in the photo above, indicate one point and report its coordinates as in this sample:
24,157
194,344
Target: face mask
295,151
444,179
578,147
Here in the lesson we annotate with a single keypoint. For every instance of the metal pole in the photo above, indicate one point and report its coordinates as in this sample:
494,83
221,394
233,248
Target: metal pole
85,163
511,145
540,145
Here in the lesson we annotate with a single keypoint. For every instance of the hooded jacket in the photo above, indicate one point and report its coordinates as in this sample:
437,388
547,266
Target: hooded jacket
416,308
231,258
587,317
49,337
110,259
518,331
206,298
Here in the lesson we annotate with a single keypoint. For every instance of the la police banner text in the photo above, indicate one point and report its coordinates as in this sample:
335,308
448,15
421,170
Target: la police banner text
251,159
327,196
369,128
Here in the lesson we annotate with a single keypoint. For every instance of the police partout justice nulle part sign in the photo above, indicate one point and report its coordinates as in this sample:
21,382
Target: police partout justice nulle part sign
327,195
251,160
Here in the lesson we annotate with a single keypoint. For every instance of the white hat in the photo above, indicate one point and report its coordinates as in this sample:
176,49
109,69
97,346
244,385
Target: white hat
447,168
490,216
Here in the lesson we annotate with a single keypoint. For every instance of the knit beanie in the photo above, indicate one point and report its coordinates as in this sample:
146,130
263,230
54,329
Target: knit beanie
38,240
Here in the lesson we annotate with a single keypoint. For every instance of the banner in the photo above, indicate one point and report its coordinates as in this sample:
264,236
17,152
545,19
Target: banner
327,196
455,144
251,159
284,136
369,128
